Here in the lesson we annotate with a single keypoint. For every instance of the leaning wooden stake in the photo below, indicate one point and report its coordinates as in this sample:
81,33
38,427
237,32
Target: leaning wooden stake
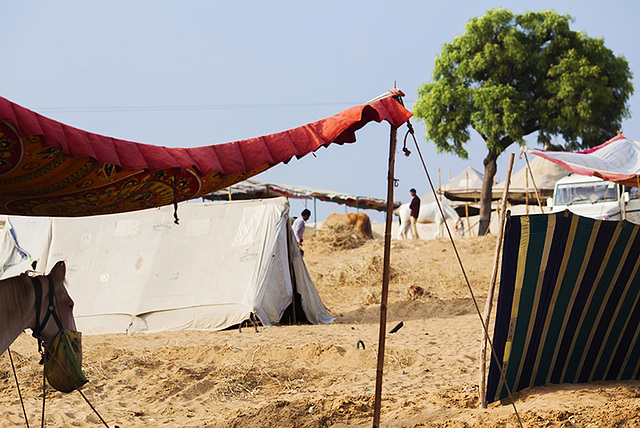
488,304
385,277
533,180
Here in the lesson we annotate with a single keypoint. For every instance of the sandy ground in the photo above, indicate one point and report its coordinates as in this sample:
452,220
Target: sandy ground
316,376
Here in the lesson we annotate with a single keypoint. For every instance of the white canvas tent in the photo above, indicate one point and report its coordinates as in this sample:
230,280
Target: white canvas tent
140,272
462,187
465,186
545,174
23,240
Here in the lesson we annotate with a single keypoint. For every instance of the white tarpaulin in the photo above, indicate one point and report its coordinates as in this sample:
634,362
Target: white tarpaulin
616,160
140,272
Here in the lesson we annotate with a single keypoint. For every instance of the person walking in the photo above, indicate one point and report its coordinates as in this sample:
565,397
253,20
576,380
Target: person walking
414,206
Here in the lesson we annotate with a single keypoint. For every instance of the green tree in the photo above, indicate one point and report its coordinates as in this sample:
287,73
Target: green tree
508,76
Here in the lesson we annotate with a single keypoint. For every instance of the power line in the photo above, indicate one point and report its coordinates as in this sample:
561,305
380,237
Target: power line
201,107
179,108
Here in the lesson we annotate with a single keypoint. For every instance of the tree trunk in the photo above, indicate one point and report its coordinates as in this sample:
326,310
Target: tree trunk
490,168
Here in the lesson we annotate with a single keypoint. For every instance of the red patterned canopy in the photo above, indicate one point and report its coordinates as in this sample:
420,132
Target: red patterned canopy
51,169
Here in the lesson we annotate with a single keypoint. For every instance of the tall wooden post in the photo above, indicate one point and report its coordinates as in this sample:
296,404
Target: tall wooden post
385,276
489,303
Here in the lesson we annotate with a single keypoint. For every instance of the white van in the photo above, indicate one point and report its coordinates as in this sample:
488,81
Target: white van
596,198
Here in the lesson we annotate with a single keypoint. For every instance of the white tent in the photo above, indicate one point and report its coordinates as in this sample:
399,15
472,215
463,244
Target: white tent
140,272
23,240
465,186
468,182
545,174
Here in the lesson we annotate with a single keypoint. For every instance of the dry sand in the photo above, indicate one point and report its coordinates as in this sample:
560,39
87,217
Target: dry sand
315,376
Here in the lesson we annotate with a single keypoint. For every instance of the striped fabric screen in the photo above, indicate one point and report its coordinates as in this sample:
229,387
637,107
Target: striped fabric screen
568,307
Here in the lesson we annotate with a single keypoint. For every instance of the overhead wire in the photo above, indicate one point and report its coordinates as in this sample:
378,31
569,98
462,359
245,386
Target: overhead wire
194,107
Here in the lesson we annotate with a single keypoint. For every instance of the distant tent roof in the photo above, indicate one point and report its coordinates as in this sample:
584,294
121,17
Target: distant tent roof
464,186
616,160
568,304
51,169
545,174
255,189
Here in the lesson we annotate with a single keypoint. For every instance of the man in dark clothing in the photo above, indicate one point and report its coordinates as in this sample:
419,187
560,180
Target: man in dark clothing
415,211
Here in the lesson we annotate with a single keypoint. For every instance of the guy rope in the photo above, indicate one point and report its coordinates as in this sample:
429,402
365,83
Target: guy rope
385,283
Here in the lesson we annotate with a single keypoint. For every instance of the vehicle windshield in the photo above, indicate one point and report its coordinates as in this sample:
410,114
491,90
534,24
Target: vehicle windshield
585,193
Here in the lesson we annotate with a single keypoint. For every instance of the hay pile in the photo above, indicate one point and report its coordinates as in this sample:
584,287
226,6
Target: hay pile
362,276
339,237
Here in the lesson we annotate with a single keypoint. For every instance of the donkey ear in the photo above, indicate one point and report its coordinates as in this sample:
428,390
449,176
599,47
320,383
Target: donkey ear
58,271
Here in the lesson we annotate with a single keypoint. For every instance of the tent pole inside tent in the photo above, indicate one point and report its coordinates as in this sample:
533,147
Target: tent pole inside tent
385,276
489,302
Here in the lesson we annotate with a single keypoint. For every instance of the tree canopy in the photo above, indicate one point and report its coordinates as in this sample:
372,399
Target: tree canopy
508,76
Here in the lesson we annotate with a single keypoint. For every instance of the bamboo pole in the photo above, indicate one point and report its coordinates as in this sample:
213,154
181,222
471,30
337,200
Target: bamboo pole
489,302
385,277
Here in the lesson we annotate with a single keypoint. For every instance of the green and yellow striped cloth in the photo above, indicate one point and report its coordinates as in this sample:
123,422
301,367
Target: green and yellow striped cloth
568,307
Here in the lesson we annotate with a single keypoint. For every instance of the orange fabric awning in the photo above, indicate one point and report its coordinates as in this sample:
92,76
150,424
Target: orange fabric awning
51,169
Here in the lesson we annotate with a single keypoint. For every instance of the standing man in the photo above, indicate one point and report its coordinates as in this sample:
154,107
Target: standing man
415,211
298,227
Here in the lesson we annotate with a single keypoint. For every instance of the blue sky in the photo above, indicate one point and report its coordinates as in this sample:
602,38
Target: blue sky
192,73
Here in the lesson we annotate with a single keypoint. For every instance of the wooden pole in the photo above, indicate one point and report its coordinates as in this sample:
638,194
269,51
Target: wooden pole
533,180
385,276
466,207
489,303
526,189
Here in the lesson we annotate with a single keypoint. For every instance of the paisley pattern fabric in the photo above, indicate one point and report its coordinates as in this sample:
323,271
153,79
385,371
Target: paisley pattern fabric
51,169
